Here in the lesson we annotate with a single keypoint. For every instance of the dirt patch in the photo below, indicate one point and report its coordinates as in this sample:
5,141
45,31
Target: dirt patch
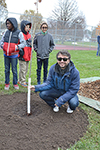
90,90
43,129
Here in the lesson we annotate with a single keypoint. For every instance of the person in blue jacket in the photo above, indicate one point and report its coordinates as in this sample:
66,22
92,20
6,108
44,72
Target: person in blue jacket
98,49
62,84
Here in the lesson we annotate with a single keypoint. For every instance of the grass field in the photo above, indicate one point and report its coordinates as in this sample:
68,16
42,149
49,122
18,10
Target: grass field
88,65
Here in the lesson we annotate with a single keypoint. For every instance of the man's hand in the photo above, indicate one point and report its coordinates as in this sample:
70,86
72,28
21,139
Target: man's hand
32,87
56,105
16,47
21,52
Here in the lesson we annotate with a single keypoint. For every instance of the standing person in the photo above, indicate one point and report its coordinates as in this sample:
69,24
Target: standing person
43,45
98,49
12,41
25,56
62,84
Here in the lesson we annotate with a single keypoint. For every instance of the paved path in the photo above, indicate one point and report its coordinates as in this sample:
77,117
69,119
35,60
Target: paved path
74,47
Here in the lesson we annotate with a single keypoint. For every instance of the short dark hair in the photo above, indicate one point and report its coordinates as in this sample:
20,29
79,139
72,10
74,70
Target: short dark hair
65,53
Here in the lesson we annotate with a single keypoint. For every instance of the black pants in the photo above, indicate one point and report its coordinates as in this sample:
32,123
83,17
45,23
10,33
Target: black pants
45,69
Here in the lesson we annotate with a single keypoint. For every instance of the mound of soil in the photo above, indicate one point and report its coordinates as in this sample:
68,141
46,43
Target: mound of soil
90,90
43,129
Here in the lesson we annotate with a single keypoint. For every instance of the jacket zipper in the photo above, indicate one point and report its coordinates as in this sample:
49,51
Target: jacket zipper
56,82
9,44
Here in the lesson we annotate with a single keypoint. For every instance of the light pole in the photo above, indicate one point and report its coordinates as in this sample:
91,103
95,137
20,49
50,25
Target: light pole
36,3
29,79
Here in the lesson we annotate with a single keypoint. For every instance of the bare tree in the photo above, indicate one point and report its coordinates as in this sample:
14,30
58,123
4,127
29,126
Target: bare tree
66,10
3,11
66,20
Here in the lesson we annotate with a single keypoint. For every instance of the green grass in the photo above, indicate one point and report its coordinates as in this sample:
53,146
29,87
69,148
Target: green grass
88,65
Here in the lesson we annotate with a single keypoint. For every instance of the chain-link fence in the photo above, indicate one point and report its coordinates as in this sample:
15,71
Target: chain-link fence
77,35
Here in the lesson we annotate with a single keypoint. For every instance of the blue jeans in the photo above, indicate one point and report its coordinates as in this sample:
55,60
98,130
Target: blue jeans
13,62
45,67
98,50
49,97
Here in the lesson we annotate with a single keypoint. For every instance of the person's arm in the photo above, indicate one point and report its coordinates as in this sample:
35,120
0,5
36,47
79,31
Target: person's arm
35,43
98,39
29,42
51,44
22,42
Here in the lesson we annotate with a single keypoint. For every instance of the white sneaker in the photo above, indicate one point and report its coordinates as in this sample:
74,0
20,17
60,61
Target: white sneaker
69,110
7,86
56,109
16,87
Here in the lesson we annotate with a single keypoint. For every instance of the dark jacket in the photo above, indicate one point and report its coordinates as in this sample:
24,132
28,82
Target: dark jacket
26,54
43,45
68,83
98,39
12,38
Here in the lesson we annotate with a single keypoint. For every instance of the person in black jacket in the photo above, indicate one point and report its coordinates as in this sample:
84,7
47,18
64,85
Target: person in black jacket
98,49
12,42
43,45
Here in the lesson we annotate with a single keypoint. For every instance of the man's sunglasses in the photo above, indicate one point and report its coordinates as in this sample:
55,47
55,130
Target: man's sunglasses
44,27
64,59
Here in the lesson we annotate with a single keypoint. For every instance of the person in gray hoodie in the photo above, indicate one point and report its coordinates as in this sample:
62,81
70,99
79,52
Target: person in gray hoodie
43,45
12,42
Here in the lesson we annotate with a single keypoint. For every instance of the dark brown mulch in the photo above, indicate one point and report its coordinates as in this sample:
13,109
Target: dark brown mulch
90,90
43,129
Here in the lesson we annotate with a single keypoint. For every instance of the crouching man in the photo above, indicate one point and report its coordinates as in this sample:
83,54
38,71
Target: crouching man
62,84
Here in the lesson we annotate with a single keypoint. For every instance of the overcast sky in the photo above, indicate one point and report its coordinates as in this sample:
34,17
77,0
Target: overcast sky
90,8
